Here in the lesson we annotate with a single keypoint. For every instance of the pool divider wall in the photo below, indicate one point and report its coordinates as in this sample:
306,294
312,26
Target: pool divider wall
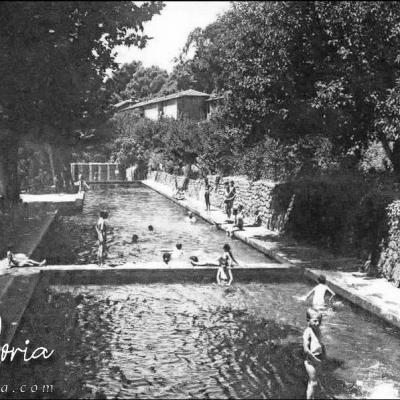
121,276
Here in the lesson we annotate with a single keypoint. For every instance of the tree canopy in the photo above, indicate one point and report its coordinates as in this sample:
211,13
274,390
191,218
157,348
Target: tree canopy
53,62
294,70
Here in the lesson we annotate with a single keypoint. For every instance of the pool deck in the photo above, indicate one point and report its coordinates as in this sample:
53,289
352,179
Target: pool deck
376,295
59,200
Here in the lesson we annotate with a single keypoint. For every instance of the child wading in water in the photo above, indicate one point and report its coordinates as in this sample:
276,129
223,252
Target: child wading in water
314,350
224,273
228,256
319,293
101,230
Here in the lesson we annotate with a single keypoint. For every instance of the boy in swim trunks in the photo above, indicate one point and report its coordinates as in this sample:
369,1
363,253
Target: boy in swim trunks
101,230
319,293
314,350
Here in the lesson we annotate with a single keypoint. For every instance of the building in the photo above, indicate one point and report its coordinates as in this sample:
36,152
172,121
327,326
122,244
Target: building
189,104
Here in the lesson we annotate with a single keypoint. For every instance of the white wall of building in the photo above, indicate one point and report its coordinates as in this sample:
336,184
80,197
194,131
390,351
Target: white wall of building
151,111
170,109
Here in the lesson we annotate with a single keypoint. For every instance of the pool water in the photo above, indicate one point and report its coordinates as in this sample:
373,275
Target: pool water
131,211
185,340
197,340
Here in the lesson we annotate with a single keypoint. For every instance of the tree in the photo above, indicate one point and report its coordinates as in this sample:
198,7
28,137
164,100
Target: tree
359,87
145,83
54,58
136,140
293,70
118,81
200,65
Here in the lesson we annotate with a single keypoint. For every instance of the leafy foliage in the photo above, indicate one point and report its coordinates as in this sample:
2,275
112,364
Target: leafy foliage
53,60
145,83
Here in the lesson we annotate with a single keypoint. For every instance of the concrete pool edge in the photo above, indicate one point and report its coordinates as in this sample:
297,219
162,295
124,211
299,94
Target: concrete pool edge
347,291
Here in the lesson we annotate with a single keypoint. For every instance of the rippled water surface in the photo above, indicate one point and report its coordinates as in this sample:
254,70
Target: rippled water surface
131,211
195,340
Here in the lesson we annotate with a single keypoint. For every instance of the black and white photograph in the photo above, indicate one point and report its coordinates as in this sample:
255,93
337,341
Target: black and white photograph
199,200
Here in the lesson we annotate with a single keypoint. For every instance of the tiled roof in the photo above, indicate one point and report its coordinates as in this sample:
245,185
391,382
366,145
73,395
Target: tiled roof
189,92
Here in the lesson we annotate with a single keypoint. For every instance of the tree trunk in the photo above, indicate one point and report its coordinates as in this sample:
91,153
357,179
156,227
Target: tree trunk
65,156
395,158
9,182
50,152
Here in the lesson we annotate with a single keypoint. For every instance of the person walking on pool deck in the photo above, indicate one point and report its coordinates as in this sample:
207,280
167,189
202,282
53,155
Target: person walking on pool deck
319,293
101,230
227,203
232,194
314,350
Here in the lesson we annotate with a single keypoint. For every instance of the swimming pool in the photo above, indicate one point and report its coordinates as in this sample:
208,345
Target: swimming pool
131,211
190,339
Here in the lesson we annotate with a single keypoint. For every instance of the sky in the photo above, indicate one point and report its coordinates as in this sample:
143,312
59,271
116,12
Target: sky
170,30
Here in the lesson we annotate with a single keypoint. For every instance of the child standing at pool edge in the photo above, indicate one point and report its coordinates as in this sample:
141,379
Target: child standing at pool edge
101,230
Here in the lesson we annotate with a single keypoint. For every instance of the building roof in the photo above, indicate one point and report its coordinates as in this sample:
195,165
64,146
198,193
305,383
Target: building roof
215,98
122,103
189,92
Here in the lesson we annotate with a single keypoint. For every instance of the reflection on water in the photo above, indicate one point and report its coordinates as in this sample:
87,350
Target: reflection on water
132,210
201,341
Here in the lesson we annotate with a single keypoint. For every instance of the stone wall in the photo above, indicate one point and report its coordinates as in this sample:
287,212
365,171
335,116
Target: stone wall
252,195
389,261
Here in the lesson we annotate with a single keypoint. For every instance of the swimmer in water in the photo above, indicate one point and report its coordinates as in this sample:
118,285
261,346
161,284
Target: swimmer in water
313,349
191,218
320,292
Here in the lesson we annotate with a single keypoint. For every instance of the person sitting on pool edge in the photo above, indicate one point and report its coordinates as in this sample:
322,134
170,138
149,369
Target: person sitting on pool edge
239,221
